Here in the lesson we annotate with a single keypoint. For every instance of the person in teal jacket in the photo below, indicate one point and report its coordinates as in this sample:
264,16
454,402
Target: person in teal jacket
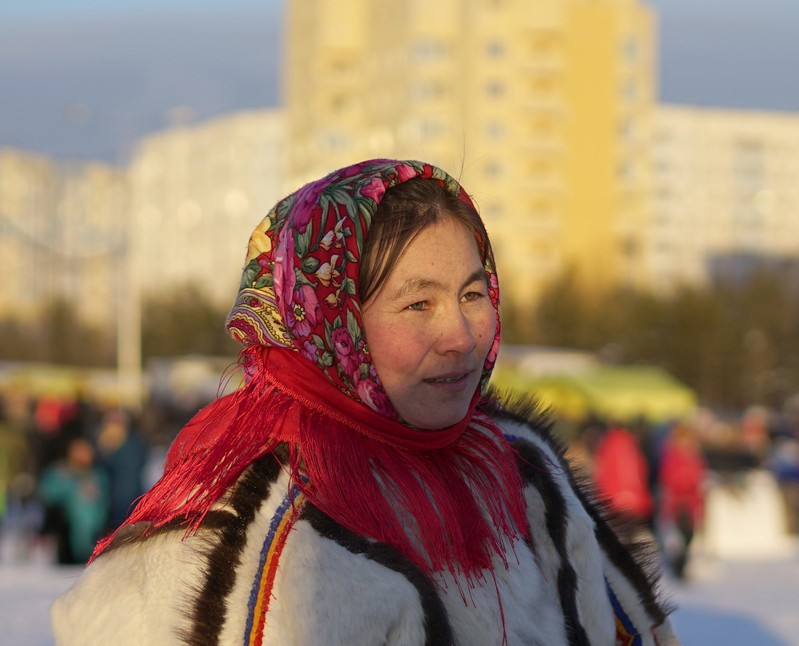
76,492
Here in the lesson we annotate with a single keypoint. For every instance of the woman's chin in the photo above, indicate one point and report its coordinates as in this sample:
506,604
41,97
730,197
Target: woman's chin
437,419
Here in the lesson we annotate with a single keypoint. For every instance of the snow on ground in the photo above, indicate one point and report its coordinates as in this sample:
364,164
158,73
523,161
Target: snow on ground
738,602
731,602
26,592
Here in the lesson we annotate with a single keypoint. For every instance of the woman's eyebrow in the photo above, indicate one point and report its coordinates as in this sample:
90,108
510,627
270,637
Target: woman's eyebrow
418,283
477,276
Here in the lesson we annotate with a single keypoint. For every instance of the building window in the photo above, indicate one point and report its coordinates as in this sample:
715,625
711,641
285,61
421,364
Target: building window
628,90
427,90
625,169
494,169
495,130
627,129
495,89
749,165
542,127
334,141
629,49
495,49
542,84
339,103
542,43
493,211
429,50
431,128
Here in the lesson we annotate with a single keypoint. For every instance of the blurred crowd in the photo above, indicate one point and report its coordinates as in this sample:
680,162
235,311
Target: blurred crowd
71,469
733,482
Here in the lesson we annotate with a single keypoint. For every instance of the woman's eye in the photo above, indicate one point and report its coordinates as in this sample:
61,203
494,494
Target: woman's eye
418,306
472,296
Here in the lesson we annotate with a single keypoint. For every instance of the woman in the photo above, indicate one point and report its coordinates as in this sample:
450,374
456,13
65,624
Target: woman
361,488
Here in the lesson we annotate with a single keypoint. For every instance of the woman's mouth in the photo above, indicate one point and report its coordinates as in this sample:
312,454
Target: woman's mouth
448,379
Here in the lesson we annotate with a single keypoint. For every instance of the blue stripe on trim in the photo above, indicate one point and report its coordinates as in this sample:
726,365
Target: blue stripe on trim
270,537
623,617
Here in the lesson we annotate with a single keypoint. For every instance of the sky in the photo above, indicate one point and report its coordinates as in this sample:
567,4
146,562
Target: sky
85,79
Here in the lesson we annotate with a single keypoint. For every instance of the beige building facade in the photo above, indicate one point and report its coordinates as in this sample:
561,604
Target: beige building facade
725,194
103,238
62,236
197,192
541,107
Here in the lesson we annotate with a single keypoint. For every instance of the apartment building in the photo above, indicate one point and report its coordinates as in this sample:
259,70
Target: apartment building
542,108
197,192
62,236
725,194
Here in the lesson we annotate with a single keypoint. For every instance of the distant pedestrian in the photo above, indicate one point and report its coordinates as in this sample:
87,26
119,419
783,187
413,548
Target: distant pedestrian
681,481
621,474
784,464
123,454
74,492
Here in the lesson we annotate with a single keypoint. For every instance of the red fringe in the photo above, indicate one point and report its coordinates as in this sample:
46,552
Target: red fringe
449,508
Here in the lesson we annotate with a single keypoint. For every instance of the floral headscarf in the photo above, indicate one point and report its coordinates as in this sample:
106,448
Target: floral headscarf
299,289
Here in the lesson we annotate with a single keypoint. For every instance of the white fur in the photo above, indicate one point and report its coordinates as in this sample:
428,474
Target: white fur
134,595
587,559
325,594
234,627
529,604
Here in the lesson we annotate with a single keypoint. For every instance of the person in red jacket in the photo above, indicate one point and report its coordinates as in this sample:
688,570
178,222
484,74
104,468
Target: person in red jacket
621,475
681,509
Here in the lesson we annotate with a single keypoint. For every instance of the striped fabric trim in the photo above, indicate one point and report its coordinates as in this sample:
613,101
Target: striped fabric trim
261,594
626,632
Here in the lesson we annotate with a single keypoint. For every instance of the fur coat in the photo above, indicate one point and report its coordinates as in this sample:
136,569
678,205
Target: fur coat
257,572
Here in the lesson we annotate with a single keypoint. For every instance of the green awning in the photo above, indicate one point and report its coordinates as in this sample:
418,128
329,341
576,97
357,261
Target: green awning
617,392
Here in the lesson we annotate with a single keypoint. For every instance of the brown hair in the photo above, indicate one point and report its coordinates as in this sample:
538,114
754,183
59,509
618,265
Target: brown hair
405,210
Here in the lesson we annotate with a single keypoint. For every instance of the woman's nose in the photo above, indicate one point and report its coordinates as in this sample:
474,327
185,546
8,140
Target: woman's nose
455,333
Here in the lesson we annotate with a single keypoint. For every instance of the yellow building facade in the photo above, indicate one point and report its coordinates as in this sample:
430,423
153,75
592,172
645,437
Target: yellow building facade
541,107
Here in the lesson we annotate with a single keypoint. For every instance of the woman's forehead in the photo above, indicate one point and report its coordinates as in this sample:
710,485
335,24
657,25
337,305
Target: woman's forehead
440,254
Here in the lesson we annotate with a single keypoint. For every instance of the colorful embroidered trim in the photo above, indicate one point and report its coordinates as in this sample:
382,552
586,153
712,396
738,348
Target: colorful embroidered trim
626,632
261,594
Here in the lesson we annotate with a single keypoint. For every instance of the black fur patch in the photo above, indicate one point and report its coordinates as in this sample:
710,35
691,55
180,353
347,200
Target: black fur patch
637,561
436,620
208,612
532,465
139,532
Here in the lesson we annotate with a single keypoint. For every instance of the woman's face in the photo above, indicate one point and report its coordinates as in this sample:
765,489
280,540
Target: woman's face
431,325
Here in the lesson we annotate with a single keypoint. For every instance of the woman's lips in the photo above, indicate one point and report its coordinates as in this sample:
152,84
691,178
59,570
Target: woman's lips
449,379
